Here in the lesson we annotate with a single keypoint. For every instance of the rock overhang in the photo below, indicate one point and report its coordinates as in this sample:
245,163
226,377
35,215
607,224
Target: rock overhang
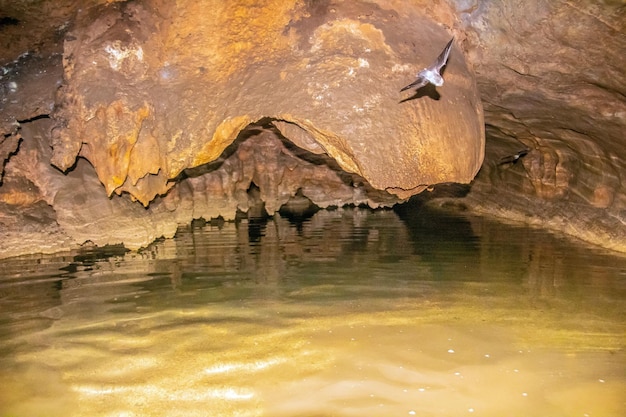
142,105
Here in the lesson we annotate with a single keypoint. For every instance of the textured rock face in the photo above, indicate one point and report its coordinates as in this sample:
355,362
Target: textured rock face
159,113
552,78
150,79
183,108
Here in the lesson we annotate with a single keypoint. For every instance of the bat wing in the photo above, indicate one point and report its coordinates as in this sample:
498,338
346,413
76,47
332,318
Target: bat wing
442,59
418,83
514,158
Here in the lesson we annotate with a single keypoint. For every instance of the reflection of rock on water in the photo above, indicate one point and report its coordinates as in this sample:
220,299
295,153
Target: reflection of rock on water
350,305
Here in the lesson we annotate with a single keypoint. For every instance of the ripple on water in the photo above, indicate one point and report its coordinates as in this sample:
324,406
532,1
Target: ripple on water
395,317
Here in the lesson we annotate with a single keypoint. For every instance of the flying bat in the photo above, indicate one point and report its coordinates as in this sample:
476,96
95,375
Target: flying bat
512,159
432,74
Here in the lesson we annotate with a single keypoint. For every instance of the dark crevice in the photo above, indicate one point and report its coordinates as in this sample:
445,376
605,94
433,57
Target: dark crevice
249,131
34,118
8,157
8,21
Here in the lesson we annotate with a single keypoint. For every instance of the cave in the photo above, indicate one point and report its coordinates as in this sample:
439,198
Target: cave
122,120
312,207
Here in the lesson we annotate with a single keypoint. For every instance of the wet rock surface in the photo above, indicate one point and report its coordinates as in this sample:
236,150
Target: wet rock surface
123,120
552,81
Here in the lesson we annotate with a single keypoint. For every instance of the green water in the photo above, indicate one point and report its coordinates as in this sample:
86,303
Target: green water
347,313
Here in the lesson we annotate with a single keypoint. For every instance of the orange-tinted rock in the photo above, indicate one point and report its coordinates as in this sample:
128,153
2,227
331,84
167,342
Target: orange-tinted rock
154,94
183,82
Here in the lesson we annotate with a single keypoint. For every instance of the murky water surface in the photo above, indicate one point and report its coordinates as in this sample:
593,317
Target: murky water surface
349,313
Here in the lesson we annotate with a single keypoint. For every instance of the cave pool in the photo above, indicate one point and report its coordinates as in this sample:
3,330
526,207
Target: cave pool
347,312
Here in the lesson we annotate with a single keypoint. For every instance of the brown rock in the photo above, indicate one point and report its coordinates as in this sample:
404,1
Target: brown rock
173,112
552,80
177,86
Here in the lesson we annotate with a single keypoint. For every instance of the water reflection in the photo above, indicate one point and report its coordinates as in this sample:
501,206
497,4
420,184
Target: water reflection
347,312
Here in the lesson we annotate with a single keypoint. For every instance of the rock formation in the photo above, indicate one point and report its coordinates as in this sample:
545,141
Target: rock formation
552,80
123,120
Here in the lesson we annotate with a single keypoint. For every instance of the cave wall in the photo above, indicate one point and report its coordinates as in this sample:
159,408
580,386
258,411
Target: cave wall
552,78
122,120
